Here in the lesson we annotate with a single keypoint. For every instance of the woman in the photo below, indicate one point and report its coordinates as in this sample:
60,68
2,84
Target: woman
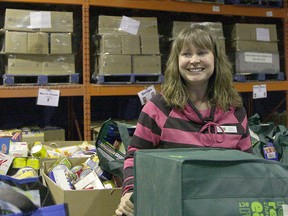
198,105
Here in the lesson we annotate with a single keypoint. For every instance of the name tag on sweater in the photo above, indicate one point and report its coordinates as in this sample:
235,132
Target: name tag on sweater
227,129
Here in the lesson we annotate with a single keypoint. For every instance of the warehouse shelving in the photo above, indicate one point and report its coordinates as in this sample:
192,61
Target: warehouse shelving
88,90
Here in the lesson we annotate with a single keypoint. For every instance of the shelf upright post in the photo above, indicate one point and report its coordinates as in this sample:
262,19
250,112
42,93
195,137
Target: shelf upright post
286,53
86,70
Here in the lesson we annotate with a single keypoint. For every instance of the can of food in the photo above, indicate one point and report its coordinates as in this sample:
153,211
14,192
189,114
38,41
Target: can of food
33,162
109,184
19,162
39,151
25,172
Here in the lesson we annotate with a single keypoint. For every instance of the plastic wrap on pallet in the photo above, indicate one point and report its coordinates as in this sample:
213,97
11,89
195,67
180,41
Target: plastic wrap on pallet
28,20
111,25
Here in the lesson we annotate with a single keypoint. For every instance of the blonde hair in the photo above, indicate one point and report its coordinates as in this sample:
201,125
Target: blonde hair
220,91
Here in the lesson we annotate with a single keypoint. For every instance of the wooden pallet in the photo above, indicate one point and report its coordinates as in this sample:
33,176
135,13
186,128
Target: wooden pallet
128,78
13,79
259,77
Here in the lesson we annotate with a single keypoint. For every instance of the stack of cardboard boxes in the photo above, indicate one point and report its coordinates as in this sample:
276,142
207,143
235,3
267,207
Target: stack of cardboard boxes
127,48
38,42
254,48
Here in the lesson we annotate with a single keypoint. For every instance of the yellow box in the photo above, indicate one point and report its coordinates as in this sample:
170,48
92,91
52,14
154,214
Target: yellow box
130,44
110,44
15,42
150,44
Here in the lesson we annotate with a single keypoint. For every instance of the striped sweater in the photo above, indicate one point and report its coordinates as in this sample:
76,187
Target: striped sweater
159,126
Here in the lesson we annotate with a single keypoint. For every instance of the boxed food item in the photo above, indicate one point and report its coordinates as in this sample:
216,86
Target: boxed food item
44,21
114,64
110,44
254,32
146,64
58,65
150,44
130,44
111,25
83,201
256,63
7,136
216,27
254,46
61,43
16,42
24,65
37,43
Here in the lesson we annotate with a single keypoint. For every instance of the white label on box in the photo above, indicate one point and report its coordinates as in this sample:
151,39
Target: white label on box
258,57
259,91
60,179
129,25
48,97
216,9
40,20
146,94
262,34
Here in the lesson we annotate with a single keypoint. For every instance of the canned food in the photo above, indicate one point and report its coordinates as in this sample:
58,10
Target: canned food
63,161
19,162
26,172
109,184
33,162
39,151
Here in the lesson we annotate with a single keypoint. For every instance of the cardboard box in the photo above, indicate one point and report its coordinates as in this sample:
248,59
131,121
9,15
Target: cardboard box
37,43
61,43
114,64
253,63
54,134
110,44
216,27
111,25
130,44
84,202
60,22
254,32
19,20
24,65
255,46
32,136
58,65
146,64
150,44
7,136
15,42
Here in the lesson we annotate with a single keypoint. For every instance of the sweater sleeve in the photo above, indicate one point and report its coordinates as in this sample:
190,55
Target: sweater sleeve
146,136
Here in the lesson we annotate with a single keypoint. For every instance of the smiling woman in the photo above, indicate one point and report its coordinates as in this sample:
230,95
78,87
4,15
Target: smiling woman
197,107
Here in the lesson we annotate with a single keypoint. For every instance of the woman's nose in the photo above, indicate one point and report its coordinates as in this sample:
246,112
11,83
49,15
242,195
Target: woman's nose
194,59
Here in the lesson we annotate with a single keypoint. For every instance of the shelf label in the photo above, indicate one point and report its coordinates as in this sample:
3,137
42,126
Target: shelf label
129,25
216,8
146,94
48,97
40,20
259,91
269,14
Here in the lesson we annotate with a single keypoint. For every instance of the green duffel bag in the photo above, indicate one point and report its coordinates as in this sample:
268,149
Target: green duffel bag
208,181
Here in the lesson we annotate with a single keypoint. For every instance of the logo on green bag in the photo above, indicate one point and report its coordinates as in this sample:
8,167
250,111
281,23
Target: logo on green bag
261,208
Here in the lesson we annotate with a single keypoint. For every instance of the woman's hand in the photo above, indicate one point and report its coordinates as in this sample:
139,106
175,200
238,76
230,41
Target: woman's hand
126,207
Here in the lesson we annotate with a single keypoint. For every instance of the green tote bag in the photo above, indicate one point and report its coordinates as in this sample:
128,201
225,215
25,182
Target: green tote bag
208,181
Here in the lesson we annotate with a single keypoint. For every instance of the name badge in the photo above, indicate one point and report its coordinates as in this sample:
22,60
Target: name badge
227,129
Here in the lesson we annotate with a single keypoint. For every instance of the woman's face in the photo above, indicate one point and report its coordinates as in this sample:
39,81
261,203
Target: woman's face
196,65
